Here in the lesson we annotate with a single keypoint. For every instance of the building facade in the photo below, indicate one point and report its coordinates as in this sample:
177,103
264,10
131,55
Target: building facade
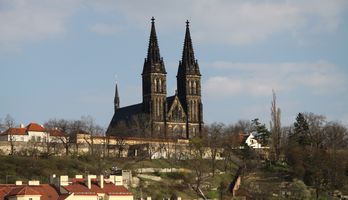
160,116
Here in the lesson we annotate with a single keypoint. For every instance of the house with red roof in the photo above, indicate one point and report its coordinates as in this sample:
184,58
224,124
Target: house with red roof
92,188
32,132
31,191
63,188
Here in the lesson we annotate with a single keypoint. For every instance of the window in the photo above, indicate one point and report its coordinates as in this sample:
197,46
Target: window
30,198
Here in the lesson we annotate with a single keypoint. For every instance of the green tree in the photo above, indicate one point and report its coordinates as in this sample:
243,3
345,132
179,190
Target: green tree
301,130
263,134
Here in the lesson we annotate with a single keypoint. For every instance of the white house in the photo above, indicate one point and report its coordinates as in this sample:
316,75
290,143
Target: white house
32,132
252,142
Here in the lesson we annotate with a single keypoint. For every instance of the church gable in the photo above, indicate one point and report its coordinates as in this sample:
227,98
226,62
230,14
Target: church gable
176,111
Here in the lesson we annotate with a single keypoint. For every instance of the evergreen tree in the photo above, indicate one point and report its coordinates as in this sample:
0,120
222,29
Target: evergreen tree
263,133
301,130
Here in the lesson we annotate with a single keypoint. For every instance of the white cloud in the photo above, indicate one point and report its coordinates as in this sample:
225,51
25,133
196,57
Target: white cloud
235,22
23,21
105,29
220,86
319,78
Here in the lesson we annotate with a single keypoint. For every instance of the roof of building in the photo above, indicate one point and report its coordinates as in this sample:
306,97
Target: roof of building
46,191
56,133
35,127
15,131
125,115
111,189
79,187
24,190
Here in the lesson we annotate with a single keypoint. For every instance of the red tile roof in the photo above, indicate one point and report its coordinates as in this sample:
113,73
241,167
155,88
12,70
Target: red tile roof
35,127
63,196
56,133
46,191
15,131
79,187
24,190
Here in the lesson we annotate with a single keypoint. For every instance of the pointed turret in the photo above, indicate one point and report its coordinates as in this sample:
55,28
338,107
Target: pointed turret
153,62
188,63
117,99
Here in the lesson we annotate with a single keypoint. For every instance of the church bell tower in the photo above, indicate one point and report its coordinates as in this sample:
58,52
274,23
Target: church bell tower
154,82
189,87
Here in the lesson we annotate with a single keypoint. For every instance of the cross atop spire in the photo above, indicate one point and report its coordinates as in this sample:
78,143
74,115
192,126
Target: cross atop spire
188,56
153,53
188,62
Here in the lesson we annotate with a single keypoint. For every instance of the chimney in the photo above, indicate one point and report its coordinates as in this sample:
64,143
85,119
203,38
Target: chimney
64,181
18,182
21,126
112,179
118,180
79,176
101,181
89,180
34,182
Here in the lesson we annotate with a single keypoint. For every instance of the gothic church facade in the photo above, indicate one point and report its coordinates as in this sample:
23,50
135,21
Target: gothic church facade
159,116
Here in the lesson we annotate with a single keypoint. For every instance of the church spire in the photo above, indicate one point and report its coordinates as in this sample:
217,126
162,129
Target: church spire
188,57
188,64
153,62
117,99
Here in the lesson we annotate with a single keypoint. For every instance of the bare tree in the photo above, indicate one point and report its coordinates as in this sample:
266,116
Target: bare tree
336,142
141,125
63,126
120,145
9,123
316,133
214,142
276,130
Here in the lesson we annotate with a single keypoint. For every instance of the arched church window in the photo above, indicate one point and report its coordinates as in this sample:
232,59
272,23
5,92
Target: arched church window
190,87
158,107
197,89
155,84
159,89
194,90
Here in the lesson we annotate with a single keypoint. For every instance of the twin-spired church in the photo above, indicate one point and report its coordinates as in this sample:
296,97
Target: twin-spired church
159,115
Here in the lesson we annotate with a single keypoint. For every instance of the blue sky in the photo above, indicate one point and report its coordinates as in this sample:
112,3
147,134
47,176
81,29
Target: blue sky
61,58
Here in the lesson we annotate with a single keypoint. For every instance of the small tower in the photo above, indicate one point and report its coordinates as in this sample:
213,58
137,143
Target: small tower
154,82
189,86
117,99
